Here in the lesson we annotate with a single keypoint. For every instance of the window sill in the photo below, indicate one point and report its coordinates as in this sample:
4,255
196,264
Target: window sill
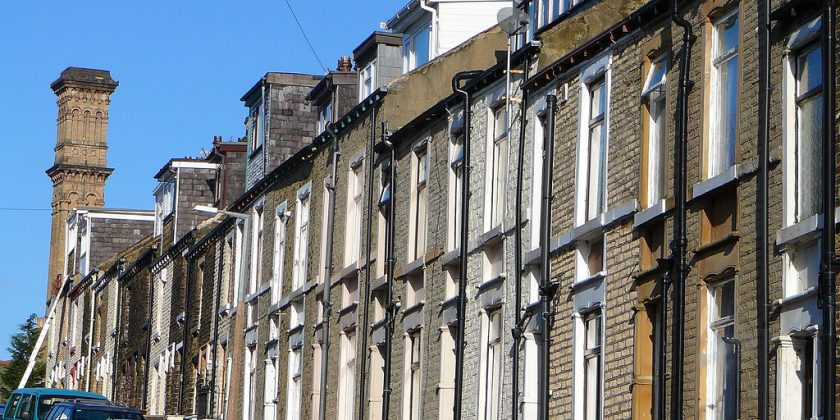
652,213
589,280
380,282
297,328
730,238
266,287
224,310
346,272
413,267
448,302
796,297
804,231
451,259
417,307
349,308
533,257
295,295
252,297
717,182
490,238
492,282
255,152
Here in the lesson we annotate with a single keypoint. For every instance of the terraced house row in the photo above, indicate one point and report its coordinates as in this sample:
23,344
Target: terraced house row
594,209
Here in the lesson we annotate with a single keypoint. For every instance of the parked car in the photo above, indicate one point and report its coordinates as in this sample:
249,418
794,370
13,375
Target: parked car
35,403
92,411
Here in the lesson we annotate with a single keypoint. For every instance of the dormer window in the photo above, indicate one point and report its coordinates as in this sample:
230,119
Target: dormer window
417,47
325,113
255,127
163,204
367,80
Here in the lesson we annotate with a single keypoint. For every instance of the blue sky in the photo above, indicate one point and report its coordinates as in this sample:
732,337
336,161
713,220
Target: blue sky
182,67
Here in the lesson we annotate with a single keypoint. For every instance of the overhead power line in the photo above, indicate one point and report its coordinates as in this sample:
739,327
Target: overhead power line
311,48
22,209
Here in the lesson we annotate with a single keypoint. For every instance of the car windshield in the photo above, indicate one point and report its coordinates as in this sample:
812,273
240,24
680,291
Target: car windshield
47,402
104,414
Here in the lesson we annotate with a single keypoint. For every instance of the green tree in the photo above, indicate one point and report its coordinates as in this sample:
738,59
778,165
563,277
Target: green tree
20,348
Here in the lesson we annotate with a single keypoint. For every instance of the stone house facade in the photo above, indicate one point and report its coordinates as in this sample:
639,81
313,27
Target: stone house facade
613,263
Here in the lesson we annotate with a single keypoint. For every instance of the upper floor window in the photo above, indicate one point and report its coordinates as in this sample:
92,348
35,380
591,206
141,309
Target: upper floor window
347,379
353,233
256,120
722,357
806,101
325,115
594,151
164,196
420,172
413,391
548,10
281,218
723,133
301,239
367,80
592,372
456,165
257,247
383,225
654,111
491,369
497,167
534,221
293,400
417,47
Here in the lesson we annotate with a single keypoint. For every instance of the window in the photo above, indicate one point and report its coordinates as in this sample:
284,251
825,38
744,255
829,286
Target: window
270,390
721,371
493,262
326,211
417,47
550,10
377,381
257,246
296,313
446,387
807,145
367,80
279,253
301,240
163,204
456,165
347,383
324,116
497,169
353,235
412,399
595,156
654,111
802,265
723,133
419,201
799,370
256,119
250,387
590,259
415,290
294,387
382,227
531,350
592,365
540,129
349,291
491,369
238,254
316,379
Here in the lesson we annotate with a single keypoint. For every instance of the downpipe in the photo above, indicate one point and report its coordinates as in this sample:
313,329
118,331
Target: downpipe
464,76
762,257
390,307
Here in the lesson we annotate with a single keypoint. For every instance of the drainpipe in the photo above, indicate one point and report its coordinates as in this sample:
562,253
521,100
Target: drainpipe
114,394
433,38
517,255
366,317
220,270
829,183
328,269
762,257
462,270
391,309
547,288
678,243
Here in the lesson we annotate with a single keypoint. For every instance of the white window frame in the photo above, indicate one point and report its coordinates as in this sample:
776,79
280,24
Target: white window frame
281,219
270,389
654,100
325,116
302,221
256,120
717,327
347,377
257,245
720,151
790,389
355,209
599,69
418,236
295,382
498,148
456,186
367,80
413,389
409,46
490,375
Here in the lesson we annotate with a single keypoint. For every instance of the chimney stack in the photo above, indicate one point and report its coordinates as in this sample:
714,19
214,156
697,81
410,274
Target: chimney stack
345,63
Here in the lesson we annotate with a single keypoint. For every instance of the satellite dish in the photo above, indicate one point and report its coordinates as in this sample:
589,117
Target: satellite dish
512,19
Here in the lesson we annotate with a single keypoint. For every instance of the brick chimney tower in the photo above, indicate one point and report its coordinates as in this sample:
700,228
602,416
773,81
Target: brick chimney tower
80,171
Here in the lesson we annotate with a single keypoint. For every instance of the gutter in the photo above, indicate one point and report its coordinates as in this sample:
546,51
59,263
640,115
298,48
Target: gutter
328,269
462,269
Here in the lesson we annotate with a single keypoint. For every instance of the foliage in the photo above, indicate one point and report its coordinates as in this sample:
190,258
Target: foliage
20,348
